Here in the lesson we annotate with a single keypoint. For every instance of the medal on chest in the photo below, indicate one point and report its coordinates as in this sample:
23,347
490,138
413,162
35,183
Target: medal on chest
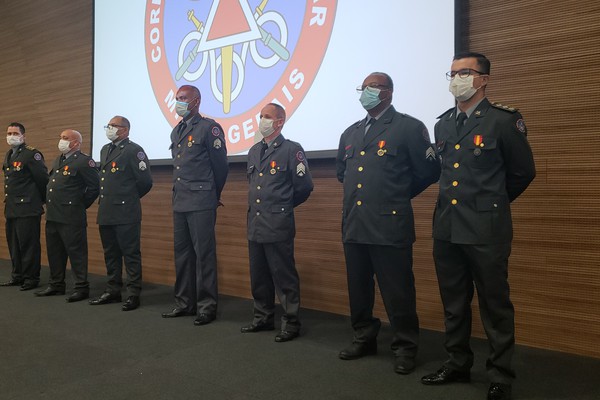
381,150
273,165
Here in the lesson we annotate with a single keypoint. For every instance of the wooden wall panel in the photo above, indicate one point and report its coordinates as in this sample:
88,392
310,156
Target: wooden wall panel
545,58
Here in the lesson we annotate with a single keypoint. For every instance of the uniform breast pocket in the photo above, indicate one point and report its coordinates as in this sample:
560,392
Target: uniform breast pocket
485,155
200,186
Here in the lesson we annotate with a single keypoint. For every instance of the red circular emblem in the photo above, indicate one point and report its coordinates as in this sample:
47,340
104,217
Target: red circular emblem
240,54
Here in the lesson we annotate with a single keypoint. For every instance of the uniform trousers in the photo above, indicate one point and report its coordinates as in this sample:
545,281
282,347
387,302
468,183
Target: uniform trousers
121,243
195,261
458,267
393,268
273,271
67,241
23,237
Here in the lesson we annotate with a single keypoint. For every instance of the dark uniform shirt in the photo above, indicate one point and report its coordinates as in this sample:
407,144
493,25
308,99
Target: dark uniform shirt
381,172
25,180
73,187
279,181
199,164
485,168
124,179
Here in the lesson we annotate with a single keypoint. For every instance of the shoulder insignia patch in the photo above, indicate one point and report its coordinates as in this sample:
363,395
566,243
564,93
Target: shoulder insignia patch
37,156
141,155
216,131
92,163
521,125
300,156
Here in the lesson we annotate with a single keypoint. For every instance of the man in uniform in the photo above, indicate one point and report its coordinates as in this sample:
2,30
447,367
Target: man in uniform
279,181
199,173
72,188
125,179
384,160
25,179
486,164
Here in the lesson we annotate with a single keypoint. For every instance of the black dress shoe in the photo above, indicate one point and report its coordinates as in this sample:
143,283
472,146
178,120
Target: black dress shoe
105,298
499,391
358,350
49,291
204,319
404,365
132,303
28,286
12,282
176,312
257,328
286,336
446,375
77,296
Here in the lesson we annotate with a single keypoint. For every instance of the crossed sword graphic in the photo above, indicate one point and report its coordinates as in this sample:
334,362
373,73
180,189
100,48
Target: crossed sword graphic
227,54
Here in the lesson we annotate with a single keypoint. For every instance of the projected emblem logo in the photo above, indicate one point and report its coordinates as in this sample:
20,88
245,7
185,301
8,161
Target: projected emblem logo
241,54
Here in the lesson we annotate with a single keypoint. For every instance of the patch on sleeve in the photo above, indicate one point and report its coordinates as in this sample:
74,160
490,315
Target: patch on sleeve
216,131
300,156
301,169
430,154
37,156
142,166
348,147
141,155
92,163
521,125
217,144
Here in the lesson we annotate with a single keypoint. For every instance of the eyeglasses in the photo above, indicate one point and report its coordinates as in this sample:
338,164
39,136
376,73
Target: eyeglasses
360,88
462,73
114,126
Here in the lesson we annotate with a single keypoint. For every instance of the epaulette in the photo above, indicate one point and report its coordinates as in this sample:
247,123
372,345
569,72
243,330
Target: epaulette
446,112
84,154
31,148
504,107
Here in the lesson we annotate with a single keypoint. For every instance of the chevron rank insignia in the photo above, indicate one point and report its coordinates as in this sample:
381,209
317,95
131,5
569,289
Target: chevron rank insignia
301,169
430,154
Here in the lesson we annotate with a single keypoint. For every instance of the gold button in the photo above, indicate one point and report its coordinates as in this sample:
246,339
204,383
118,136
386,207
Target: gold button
101,187
103,171
359,203
100,179
54,180
359,185
454,201
260,174
258,200
362,153
178,145
394,212
360,169
258,187
178,179
50,190
456,165
258,213
102,196
457,146
455,183
178,155
177,167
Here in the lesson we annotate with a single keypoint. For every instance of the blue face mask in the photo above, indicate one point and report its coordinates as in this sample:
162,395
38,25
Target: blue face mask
370,98
181,108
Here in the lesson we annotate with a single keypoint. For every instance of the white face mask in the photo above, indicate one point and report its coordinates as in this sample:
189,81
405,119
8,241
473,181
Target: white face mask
64,146
265,127
111,133
462,88
14,140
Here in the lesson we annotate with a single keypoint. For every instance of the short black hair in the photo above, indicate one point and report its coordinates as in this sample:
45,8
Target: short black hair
18,125
482,61
390,82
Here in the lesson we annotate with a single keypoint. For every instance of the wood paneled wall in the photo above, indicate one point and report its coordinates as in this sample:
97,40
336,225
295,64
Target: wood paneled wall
545,58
